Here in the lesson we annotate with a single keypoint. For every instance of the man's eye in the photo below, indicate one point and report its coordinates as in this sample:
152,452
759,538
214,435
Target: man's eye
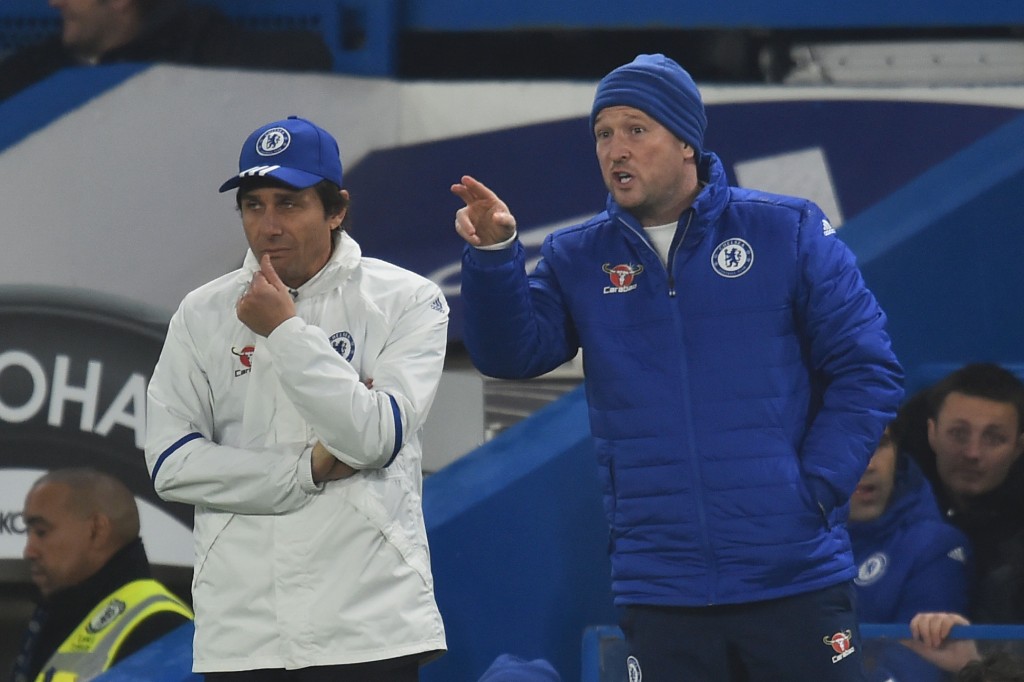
993,439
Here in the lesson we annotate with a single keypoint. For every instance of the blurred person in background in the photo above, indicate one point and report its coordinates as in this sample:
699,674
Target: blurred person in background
975,438
909,559
98,601
97,32
974,424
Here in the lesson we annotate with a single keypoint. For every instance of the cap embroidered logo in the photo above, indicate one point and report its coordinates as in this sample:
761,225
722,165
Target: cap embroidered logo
273,141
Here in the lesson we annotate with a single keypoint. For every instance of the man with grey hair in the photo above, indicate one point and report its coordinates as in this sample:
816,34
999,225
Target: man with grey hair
98,602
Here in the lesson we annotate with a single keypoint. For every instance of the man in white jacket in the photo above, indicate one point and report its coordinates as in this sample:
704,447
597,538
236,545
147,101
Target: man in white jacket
287,406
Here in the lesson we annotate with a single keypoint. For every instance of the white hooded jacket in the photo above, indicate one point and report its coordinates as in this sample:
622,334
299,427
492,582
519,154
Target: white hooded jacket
290,574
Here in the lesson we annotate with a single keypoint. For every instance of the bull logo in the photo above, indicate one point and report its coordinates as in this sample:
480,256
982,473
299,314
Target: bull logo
841,643
244,355
621,277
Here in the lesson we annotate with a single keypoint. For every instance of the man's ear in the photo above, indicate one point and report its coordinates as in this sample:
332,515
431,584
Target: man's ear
1020,447
931,432
337,219
100,529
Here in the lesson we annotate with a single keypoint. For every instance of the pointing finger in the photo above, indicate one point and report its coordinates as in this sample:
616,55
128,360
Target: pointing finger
478,190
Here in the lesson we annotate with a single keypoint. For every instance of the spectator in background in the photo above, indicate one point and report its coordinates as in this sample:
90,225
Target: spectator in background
975,438
98,601
738,376
113,31
909,559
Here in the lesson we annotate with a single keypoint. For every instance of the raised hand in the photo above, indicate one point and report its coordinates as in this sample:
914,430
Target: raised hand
267,302
485,219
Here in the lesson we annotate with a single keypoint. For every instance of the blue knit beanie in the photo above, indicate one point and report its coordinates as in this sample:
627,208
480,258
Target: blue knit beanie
509,668
659,87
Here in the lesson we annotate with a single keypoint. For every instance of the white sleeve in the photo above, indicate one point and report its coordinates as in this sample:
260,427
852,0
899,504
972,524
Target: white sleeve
366,427
187,466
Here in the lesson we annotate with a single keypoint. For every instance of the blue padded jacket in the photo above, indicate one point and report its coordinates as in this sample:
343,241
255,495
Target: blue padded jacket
734,396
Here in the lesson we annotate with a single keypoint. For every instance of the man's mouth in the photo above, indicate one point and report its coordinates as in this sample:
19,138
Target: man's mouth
864,490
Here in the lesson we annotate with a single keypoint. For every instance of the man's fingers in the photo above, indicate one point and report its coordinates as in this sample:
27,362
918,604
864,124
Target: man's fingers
464,225
478,190
471,189
504,219
462,192
268,271
933,629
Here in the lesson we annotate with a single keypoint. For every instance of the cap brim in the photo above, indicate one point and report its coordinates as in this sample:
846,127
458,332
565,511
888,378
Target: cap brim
290,176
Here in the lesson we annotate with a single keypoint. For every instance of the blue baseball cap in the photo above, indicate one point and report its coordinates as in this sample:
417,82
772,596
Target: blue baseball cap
295,151
509,668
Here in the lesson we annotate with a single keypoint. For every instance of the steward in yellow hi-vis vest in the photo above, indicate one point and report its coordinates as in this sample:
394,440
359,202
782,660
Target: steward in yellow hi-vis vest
93,645
98,602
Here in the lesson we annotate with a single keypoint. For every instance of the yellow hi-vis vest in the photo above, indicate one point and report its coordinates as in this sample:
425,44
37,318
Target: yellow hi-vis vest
91,647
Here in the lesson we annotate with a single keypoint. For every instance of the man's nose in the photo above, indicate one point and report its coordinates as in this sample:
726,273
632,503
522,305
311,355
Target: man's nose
973,448
270,222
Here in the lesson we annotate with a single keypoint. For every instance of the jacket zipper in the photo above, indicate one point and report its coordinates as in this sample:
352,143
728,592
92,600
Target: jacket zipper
694,465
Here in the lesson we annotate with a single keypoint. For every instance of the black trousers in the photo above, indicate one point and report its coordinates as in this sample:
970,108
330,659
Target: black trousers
812,636
406,669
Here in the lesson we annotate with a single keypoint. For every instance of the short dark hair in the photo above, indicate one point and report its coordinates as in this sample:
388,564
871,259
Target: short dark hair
330,194
980,380
150,8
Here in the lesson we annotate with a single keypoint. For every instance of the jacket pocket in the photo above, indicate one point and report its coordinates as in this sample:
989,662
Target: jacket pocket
814,504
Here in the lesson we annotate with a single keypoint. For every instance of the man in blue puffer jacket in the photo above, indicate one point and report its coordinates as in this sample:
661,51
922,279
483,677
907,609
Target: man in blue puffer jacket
738,377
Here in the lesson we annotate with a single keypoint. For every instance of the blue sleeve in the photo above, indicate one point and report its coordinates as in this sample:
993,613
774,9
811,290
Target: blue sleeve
515,326
858,375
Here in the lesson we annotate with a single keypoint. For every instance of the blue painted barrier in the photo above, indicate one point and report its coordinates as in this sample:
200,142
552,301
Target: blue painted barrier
168,659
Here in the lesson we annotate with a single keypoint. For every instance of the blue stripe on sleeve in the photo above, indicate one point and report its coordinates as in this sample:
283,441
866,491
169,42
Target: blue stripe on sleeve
398,430
167,453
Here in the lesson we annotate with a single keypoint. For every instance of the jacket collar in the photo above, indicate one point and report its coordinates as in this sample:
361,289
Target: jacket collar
344,259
